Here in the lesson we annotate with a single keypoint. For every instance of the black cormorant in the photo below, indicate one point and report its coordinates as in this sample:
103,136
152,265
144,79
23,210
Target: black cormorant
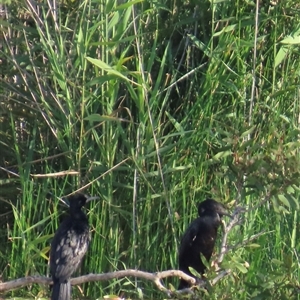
199,238
68,247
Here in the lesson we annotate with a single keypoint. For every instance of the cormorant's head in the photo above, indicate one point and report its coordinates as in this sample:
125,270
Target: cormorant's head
77,201
212,207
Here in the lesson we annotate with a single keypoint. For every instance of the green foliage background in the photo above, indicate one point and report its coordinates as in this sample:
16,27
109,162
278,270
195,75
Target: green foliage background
153,106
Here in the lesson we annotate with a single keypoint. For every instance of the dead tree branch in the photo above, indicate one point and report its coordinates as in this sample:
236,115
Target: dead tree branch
154,277
226,229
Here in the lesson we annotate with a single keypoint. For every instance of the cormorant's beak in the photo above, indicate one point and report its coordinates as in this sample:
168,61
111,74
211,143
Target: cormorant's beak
228,215
88,198
222,211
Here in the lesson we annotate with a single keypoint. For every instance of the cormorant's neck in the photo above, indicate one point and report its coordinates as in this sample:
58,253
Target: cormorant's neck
77,214
211,218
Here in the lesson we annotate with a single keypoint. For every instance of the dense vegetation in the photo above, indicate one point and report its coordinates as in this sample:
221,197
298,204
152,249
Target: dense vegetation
153,106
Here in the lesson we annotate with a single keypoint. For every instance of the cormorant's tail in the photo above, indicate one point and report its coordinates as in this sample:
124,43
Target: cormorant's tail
61,291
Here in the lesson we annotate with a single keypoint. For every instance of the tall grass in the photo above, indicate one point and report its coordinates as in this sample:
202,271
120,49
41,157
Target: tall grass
152,106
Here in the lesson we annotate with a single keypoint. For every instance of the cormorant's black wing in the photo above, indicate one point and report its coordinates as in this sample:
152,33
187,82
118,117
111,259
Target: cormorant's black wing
67,250
190,236
199,238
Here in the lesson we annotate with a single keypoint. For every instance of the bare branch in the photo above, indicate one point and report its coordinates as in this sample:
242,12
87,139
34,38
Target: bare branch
155,277
226,229
220,276
247,241
20,282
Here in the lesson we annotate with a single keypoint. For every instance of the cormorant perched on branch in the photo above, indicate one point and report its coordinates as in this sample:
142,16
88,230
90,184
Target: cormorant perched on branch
68,247
199,238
